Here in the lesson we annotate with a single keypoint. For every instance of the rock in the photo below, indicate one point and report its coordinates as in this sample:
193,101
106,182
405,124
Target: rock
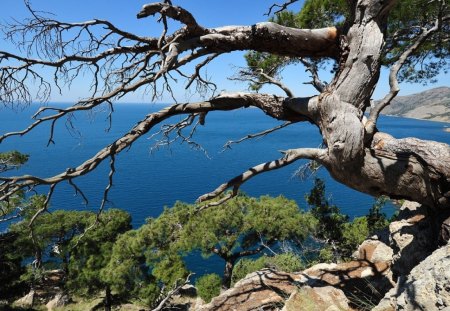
428,285
374,250
26,301
388,302
258,290
60,300
412,238
325,298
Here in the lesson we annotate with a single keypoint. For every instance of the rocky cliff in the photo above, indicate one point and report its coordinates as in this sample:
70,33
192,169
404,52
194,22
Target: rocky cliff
406,267
432,104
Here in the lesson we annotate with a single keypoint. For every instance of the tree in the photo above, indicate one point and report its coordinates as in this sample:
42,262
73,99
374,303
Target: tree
91,253
338,237
357,36
10,267
244,227
144,264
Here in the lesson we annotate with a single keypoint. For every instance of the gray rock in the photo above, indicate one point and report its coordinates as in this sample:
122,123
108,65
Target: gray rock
412,238
26,301
325,298
428,285
60,300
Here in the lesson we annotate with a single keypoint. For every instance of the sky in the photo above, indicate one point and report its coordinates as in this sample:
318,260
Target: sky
209,13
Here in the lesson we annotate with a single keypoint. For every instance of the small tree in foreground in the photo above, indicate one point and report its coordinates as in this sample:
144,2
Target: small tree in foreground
150,258
337,236
244,227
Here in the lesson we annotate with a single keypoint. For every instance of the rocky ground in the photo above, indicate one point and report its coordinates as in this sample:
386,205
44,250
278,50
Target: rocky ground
405,267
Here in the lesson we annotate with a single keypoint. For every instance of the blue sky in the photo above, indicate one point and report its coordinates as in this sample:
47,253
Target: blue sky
210,13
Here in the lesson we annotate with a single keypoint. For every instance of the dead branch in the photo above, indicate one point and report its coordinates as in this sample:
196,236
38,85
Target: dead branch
318,84
370,125
289,157
258,77
167,296
281,7
271,105
251,136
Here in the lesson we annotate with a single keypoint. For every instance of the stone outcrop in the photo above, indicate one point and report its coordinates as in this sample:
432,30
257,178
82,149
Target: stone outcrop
427,287
397,263
265,289
325,298
413,237
60,300
26,301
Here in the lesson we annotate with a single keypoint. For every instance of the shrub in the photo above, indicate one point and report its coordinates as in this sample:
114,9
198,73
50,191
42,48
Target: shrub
208,286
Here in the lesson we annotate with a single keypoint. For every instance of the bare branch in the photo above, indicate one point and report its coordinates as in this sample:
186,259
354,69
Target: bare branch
271,105
258,77
289,157
312,68
44,207
251,136
281,7
174,12
174,291
370,125
168,129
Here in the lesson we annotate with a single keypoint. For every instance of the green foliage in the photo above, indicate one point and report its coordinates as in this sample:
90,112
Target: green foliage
322,13
11,159
208,286
153,253
326,254
353,234
50,235
330,219
145,261
126,272
10,267
242,223
376,219
404,25
287,262
338,237
91,253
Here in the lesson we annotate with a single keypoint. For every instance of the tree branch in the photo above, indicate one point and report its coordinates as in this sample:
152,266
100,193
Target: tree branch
271,105
281,7
172,292
370,125
251,136
290,156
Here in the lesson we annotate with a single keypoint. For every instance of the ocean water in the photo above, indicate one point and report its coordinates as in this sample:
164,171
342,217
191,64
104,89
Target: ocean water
146,180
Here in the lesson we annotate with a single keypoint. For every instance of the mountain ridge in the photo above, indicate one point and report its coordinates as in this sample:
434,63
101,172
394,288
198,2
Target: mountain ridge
433,105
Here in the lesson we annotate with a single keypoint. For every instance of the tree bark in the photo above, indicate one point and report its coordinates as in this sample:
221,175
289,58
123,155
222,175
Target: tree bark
108,298
228,272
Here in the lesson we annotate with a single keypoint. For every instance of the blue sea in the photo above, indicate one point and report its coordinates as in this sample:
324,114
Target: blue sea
147,180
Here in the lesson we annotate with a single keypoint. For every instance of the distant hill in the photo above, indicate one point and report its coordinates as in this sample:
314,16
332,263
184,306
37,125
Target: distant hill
432,104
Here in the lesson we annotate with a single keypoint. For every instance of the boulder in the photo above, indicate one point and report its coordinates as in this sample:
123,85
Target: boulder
266,289
325,298
412,238
60,300
26,301
428,285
